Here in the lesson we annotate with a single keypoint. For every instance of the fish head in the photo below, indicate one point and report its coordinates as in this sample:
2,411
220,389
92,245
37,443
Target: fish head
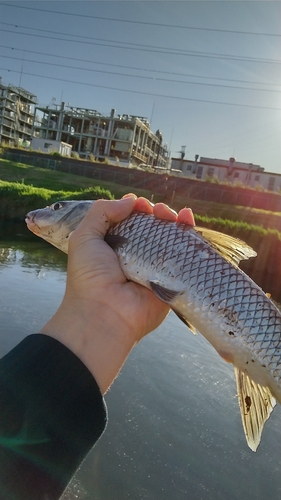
56,222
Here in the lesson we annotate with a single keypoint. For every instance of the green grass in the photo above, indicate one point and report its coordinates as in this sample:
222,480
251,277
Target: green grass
248,215
16,199
24,187
56,181
239,229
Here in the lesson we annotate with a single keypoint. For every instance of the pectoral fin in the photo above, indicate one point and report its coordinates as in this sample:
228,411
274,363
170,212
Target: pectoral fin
115,241
256,404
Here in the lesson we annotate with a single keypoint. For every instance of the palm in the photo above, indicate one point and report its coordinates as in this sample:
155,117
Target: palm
101,280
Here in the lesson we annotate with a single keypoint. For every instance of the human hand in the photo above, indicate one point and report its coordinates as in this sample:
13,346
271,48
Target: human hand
102,315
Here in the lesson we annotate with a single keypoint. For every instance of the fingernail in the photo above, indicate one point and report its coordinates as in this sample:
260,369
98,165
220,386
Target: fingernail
172,210
129,195
127,199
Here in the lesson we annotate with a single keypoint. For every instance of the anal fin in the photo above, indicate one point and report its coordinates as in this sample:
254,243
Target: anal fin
256,404
186,322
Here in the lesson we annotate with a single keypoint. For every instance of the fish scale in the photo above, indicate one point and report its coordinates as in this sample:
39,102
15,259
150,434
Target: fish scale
195,270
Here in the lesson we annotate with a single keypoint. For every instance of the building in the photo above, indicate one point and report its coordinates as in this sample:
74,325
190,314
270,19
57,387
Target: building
50,146
124,139
232,171
16,115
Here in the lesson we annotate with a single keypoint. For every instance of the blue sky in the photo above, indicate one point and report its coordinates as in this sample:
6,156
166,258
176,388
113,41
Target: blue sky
206,73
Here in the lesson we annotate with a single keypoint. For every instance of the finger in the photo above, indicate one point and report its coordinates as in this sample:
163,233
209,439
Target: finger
129,194
143,205
162,211
185,216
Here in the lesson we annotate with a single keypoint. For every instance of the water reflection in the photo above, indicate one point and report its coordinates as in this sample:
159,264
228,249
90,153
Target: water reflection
174,426
40,257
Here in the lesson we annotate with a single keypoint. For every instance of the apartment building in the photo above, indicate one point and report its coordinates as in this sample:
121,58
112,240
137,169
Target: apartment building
123,138
230,170
16,115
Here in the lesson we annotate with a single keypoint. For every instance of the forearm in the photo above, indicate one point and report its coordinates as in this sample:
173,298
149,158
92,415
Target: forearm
52,413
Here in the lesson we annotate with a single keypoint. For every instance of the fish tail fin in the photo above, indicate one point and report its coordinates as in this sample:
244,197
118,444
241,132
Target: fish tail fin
256,404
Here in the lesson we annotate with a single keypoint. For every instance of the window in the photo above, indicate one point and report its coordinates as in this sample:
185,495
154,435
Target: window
271,183
187,168
210,172
47,145
257,178
199,172
236,175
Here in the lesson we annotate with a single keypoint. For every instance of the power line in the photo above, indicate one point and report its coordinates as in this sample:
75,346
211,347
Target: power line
146,23
177,52
139,68
88,37
145,93
137,46
140,76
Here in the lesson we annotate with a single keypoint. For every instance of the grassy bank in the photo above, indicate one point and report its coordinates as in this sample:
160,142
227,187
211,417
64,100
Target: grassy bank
16,199
24,188
58,181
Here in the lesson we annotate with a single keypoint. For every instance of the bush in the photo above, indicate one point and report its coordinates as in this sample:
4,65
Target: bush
55,153
91,193
16,199
75,155
213,180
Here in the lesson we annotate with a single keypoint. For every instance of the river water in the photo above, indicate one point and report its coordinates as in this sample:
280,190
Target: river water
174,426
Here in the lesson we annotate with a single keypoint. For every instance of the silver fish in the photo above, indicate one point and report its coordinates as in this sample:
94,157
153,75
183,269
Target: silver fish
195,271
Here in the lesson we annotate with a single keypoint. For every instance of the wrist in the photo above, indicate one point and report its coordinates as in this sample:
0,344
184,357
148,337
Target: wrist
95,334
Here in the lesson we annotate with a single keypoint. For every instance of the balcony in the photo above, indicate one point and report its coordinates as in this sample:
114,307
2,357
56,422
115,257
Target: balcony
25,119
139,156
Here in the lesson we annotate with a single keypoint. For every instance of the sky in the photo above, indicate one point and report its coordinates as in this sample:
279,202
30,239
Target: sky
207,74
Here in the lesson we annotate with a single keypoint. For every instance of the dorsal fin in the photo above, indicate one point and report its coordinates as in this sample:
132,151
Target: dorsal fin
256,404
230,248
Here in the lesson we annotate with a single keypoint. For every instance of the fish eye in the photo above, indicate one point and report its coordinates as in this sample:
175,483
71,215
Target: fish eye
56,206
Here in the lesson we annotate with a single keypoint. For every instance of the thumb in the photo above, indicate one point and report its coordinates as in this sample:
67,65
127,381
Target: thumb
102,215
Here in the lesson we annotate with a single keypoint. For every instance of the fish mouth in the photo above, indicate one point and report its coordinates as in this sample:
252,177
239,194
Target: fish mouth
29,220
32,226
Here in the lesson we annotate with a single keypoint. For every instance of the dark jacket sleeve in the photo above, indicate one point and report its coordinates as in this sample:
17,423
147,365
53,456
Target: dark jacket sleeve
51,414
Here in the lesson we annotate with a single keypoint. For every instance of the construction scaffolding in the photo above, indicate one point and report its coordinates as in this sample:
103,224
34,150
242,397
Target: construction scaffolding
16,114
125,139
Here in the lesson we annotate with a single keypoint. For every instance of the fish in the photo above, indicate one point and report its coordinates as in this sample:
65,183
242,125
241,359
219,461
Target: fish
195,271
